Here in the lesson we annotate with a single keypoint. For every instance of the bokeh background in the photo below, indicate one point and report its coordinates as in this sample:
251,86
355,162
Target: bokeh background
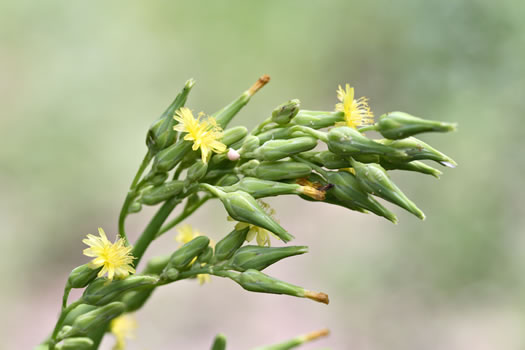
80,82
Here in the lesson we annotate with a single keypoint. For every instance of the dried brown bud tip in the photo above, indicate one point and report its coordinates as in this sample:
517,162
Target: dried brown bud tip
317,334
317,296
263,80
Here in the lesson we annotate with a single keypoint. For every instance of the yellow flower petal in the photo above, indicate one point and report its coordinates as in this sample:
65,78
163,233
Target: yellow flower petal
356,112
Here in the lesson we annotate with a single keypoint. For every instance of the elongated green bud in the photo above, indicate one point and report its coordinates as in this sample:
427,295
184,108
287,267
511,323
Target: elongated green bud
243,207
279,149
77,311
277,134
225,115
227,180
349,141
170,156
415,165
161,133
155,195
81,276
206,255
157,179
348,193
279,170
100,292
415,149
292,343
374,179
250,144
263,188
189,251
225,248
77,343
283,113
134,300
219,343
196,172
156,264
317,119
232,135
84,323
259,258
256,281
399,125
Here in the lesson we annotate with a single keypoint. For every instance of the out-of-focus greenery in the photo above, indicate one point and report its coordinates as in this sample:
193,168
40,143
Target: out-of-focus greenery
81,82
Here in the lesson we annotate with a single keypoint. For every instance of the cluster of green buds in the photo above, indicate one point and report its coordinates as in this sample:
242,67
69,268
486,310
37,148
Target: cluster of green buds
191,160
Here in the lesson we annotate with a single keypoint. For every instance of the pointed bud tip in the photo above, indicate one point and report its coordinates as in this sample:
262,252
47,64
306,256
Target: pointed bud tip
450,164
263,80
317,296
316,334
189,83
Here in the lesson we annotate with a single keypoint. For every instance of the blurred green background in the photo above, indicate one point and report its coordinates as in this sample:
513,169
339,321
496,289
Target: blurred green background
81,82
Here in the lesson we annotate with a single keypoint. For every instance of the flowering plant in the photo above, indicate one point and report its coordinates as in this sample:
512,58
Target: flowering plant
196,159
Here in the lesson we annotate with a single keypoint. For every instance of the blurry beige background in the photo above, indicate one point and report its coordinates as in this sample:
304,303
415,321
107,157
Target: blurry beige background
80,82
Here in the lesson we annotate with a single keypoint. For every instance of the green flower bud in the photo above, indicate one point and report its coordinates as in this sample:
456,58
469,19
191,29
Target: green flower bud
156,264
161,133
77,311
157,180
279,149
279,170
348,141
317,120
347,192
233,135
171,274
415,149
78,343
250,144
219,343
415,165
225,115
326,159
155,195
258,188
374,179
399,125
134,207
256,281
292,343
196,172
134,300
92,319
185,254
81,276
166,159
227,180
277,134
259,258
286,111
244,208
225,248
206,255
100,292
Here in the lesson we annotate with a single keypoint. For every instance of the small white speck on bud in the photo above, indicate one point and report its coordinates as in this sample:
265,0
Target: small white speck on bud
233,154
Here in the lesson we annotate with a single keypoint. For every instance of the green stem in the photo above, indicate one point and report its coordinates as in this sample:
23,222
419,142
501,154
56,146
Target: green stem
58,325
185,213
367,128
259,127
143,165
150,232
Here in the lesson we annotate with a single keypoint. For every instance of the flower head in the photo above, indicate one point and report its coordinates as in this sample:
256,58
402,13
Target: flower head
203,133
114,258
356,112
123,327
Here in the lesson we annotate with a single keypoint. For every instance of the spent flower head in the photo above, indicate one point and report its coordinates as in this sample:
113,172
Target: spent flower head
123,327
356,112
114,258
204,133
261,235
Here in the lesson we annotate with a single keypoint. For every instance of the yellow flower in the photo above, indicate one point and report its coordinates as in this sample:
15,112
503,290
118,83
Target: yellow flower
114,258
123,327
203,278
203,133
356,112
186,234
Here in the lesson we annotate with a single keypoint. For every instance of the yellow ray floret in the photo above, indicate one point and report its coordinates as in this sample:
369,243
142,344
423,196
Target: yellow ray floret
114,258
204,133
123,327
356,112
261,235
186,234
